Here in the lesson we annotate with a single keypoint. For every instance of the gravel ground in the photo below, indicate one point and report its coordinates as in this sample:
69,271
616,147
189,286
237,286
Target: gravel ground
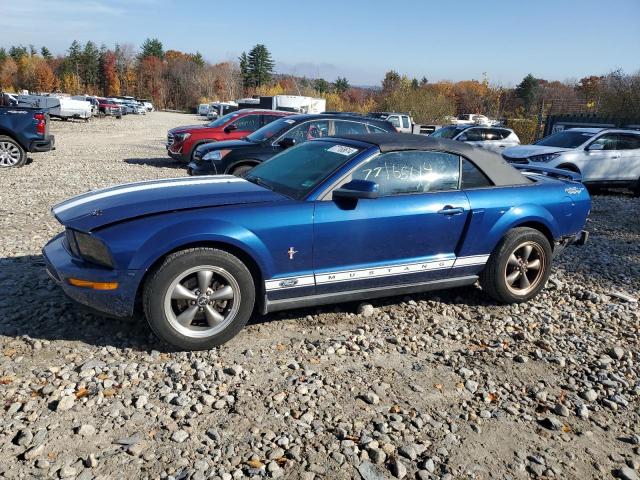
444,385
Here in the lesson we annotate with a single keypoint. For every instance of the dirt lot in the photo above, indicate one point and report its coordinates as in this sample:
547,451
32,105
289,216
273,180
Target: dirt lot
438,386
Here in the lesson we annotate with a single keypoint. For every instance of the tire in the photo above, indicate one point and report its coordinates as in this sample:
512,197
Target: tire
241,170
193,150
181,315
636,189
502,278
11,153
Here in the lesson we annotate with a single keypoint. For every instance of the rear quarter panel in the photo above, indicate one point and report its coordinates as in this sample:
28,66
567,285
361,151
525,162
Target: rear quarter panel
561,207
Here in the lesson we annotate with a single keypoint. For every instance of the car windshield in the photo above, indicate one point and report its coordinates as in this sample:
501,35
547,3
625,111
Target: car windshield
566,139
446,132
298,170
222,120
270,130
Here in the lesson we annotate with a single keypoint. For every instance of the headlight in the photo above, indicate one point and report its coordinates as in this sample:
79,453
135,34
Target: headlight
89,248
546,158
216,155
181,137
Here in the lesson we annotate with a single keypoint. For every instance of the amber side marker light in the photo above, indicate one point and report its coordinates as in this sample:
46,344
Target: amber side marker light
76,282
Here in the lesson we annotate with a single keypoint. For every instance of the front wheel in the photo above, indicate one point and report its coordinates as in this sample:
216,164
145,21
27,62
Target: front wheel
241,171
519,266
199,298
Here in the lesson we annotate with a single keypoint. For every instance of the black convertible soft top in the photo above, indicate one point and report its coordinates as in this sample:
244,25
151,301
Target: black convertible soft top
492,164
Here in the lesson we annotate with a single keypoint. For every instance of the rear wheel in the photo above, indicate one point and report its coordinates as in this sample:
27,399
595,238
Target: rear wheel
519,266
11,153
241,170
636,189
199,298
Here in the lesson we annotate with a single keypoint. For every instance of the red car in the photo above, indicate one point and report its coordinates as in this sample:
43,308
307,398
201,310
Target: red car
182,141
107,107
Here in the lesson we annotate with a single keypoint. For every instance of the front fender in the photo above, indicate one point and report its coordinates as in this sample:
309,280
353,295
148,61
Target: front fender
173,237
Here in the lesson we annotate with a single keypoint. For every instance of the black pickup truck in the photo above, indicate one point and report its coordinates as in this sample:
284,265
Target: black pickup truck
23,130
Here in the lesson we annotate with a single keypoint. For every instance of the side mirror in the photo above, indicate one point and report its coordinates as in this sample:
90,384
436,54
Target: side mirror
356,189
230,128
287,142
595,146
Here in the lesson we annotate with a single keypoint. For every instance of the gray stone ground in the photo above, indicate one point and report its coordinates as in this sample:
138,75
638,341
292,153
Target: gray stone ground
444,385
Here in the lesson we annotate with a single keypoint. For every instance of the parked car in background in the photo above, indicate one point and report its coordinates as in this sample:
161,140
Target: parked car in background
91,99
402,122
332,220
183,141
203,109
238,157
220,109
22,130
108,107
491,138
472,119
148,105
603,157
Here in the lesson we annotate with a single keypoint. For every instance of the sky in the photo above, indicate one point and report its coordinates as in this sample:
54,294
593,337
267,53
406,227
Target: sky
359,39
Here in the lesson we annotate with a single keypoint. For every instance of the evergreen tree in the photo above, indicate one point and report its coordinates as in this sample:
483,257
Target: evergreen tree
244,70
46,54
415,84
423,81
91,65
341,85
320,85
258,66
3,54
528,91
17,52
32,50
152,47
197,59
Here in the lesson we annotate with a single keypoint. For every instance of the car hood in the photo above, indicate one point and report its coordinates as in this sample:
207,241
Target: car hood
99,208
232,144
186,128
526,151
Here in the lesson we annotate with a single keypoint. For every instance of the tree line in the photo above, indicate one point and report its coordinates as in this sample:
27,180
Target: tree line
180,80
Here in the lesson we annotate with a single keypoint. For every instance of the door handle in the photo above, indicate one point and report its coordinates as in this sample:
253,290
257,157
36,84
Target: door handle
615,156
450,210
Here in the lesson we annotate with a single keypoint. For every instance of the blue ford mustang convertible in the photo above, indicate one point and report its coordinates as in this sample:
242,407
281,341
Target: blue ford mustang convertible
331,220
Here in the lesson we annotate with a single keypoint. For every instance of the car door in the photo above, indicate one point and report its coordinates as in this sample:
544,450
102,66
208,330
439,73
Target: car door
628,146
407,235
601,159
242,127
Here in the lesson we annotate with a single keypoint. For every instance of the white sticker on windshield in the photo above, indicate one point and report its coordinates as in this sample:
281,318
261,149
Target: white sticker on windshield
289,121
342,150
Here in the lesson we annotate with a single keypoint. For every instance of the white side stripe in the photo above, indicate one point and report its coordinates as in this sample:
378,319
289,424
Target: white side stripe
376,272
136,187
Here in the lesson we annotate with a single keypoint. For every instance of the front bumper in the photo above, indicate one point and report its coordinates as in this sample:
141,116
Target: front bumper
43,145
202,168
61,266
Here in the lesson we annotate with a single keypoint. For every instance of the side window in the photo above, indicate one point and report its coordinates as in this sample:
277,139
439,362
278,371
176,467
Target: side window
249,122
472,177
473,135
608,141
405,122
394,120
492,134
504,134
627,141
398,173
374,129
308,130
343,127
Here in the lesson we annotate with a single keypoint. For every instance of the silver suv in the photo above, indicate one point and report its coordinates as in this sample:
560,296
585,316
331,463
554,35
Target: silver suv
491,138
602,156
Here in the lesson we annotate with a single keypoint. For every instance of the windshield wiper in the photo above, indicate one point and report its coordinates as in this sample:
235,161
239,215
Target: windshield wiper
259,181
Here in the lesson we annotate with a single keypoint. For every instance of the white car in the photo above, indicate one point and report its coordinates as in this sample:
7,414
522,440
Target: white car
603,157
203,109
402,122
491,138
472,119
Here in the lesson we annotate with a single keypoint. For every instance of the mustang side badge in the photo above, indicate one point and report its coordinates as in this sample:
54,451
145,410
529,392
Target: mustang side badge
573,190
291,253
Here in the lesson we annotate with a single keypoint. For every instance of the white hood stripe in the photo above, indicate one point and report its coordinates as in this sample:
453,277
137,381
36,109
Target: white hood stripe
137,187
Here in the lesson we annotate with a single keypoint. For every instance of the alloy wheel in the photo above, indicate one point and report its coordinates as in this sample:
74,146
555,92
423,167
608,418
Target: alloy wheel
525,268
202,301
9,154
